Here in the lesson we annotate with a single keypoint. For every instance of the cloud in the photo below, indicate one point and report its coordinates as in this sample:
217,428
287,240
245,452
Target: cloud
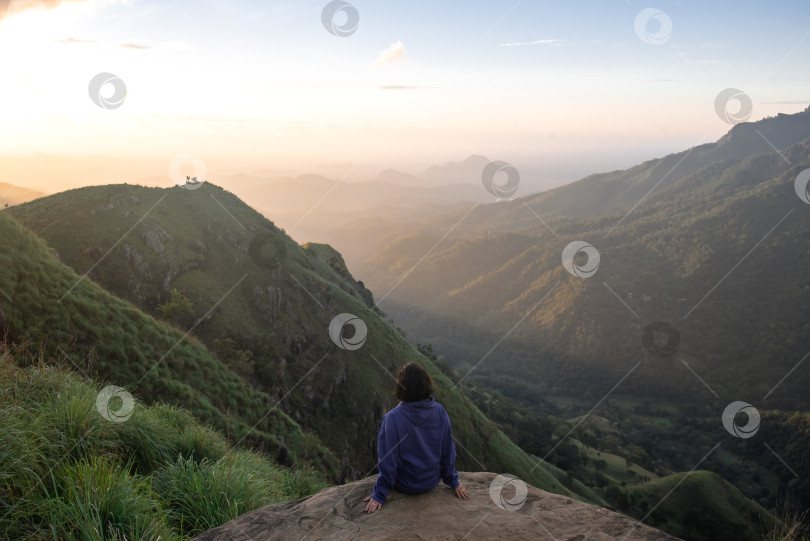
136,46
392,54
124,45
549,42
74,40
402,87
9,8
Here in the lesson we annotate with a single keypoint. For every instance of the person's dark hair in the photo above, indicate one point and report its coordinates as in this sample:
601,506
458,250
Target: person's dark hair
413,383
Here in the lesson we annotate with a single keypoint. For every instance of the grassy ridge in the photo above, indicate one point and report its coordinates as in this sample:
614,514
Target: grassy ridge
683,512
67,472
77,321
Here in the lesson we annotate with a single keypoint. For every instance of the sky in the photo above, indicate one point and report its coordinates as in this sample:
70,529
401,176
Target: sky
220,87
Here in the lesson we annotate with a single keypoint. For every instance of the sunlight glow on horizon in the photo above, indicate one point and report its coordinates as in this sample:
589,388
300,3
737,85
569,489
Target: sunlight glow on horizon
297,96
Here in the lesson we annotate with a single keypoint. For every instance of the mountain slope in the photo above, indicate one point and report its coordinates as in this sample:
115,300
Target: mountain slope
608,193
661,262
719,253
264,304
593,196
45,303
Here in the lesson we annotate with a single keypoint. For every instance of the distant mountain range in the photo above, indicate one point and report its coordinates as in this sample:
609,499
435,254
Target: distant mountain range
313,207
667,231
14,195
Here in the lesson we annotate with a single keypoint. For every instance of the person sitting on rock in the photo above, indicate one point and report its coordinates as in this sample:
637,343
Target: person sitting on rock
415,443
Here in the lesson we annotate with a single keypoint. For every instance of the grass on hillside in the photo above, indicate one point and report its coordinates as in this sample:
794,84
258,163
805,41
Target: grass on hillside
68,473
102,336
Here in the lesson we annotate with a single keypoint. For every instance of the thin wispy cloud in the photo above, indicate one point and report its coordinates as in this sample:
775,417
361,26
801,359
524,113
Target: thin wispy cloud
394,53
136,46
549,42
402,87
788,102
74,40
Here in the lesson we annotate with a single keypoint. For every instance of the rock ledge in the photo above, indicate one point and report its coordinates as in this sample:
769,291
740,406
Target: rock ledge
337,513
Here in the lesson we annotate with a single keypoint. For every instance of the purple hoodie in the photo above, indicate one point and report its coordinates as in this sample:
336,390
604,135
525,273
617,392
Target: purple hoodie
415,449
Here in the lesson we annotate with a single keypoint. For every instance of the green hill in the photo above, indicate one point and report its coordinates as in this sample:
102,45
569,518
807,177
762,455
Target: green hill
683,510
48,305
263,303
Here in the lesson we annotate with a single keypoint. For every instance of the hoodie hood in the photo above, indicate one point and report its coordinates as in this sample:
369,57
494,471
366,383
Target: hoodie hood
421,412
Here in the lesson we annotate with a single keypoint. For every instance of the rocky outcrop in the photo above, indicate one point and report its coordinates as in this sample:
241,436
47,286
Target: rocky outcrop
337,513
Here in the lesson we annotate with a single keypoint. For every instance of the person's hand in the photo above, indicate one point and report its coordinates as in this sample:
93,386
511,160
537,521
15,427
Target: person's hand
462,493
372,505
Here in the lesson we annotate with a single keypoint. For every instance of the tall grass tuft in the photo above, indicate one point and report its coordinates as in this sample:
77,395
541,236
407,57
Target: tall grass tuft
78,431
68,473
98,500
189,437
145,441
295,484
205,494
202,495
791,526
